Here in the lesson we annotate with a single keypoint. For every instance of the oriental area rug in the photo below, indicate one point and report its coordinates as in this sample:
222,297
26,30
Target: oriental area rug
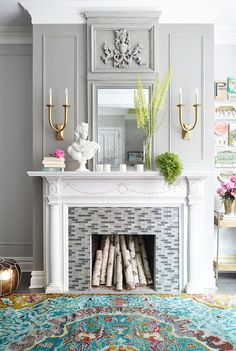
117,322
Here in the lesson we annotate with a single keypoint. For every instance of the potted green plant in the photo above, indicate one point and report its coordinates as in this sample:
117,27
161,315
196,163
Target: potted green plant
170,166
148,116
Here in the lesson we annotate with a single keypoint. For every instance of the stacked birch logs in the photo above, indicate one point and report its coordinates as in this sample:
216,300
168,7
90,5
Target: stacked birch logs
122,262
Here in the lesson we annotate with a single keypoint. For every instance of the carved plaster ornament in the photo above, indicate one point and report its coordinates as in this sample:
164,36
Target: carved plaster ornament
122,55
82,149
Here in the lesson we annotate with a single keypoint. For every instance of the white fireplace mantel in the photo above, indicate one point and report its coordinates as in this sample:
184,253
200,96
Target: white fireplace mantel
67,189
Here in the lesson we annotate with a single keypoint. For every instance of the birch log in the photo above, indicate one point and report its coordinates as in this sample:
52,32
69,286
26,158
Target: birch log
133,260
110,266
128,272
142,278
146,266
119,273
117,250
104,260
97,268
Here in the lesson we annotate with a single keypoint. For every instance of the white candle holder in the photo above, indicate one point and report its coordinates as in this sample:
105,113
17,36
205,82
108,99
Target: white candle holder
107,167
123,168
140,167
99,168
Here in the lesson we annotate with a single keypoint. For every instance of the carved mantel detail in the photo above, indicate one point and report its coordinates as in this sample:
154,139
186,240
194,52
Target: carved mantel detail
122,55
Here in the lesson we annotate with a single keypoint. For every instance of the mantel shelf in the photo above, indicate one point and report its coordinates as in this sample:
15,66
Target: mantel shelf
115,175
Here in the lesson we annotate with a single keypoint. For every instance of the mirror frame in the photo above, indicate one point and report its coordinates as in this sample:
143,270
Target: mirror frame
93,87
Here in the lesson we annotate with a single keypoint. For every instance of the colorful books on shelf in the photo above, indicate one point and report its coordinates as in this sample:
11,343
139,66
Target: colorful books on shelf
53,164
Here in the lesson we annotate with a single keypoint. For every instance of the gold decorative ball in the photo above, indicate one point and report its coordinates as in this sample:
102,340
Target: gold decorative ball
10,276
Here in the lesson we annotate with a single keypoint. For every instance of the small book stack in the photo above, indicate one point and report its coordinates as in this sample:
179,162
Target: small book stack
53,164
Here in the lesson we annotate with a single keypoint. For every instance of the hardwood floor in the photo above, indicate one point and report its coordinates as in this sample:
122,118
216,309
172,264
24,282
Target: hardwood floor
25,283
226,284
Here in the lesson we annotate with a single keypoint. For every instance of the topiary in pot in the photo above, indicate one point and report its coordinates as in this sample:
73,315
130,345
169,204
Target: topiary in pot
170,166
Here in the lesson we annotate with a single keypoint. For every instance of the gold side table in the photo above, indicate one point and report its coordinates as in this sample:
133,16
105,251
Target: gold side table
222,222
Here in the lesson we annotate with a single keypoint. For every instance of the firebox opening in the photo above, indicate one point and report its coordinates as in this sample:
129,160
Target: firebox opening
123,262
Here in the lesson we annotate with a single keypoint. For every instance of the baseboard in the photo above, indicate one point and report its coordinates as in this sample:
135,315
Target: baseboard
26,263
37,279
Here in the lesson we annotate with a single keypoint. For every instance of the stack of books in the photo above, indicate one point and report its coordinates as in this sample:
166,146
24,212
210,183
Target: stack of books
53,164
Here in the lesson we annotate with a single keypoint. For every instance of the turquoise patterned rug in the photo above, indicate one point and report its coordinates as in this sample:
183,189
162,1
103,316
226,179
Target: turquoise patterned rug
117,322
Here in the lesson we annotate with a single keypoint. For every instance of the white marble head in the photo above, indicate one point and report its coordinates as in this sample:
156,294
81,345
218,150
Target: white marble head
81,131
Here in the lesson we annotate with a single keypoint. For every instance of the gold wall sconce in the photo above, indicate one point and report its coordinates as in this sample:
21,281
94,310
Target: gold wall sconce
58,127
186,127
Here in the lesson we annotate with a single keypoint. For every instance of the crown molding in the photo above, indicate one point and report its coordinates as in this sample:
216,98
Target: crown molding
225,35
72,11
15,35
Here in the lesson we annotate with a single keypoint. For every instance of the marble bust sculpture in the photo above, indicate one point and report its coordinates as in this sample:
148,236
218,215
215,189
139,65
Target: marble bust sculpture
82,149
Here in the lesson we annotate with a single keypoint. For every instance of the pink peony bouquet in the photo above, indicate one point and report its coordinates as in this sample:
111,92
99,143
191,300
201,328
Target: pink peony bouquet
59,153
227,191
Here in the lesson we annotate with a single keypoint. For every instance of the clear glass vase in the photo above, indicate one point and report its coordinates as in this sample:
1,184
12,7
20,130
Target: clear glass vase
147,153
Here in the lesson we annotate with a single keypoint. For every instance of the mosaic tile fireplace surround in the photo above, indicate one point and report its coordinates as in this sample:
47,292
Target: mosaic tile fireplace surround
78,207
161,223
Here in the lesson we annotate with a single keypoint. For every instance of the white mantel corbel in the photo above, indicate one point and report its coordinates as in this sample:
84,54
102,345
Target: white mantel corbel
195,230
54,244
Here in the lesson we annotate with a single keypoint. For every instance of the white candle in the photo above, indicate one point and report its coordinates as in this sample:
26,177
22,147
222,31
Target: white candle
180,97
66,96
99,168
107,167
50,96
140,167
123,167
196,96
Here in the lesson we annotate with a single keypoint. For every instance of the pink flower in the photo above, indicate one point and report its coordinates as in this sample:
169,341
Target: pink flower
229,186
233,192
221,191
233,179
59,153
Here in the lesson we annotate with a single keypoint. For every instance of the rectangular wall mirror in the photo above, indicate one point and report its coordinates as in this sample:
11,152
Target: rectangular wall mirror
120,139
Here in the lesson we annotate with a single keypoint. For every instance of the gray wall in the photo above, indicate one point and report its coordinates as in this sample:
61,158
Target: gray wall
16,150
60,61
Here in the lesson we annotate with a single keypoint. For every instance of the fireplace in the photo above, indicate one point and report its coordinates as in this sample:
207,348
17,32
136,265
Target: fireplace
79,206
159,225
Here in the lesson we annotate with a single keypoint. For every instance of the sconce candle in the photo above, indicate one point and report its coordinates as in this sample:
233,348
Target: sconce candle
58,127
186,127
50,96
66,96
180,96
196,96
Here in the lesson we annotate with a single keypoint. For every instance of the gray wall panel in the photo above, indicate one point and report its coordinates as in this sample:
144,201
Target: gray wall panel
16,150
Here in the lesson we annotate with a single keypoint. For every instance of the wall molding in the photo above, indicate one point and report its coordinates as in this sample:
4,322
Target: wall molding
225,35
15,35
5,243
72,11
37,279
26,263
